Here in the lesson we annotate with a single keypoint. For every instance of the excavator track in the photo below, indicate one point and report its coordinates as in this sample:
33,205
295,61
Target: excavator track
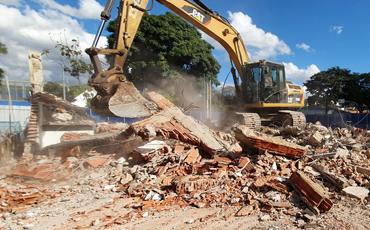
251,120
292,118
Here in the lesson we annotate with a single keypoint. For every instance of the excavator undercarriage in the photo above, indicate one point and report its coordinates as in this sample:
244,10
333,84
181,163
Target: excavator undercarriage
257,120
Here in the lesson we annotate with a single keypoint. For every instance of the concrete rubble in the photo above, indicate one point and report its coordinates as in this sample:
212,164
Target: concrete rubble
291,177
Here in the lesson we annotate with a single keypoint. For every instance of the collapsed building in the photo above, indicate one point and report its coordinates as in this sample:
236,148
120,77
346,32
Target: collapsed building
170,160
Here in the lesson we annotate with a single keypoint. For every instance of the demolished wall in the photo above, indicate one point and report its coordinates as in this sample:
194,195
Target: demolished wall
287,177
50,118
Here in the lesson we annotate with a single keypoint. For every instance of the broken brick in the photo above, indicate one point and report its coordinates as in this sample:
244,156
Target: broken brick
316,138
244,211
274,145
192,156
97,161
179,149
311,193
72,152
245,163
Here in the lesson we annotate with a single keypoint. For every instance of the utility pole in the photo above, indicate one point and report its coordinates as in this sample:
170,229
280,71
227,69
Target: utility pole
11,112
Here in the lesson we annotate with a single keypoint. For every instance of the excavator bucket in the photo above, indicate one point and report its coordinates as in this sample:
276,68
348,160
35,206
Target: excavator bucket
125,102
128,102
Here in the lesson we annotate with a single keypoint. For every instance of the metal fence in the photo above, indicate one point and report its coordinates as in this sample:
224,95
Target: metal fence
100,118
10,128
358,120
20,112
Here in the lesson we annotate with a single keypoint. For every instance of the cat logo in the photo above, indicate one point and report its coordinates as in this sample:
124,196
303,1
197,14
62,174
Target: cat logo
198,15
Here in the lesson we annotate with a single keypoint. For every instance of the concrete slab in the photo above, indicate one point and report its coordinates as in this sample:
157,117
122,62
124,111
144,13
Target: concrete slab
358,192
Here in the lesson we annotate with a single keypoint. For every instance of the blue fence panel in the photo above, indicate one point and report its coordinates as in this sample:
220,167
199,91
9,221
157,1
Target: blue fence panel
364,121
358,120
100,118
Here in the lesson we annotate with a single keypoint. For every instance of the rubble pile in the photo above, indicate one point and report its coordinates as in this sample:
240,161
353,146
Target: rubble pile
286,177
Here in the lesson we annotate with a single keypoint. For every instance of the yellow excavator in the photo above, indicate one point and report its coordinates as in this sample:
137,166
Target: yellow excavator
262,94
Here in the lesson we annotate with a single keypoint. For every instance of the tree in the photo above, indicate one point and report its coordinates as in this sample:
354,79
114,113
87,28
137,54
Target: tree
70,57
57,90
169,55
228,90
77,90
3,50
356,89
87,92
327,86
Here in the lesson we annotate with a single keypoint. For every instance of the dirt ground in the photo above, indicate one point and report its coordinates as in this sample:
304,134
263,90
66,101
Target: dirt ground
80,202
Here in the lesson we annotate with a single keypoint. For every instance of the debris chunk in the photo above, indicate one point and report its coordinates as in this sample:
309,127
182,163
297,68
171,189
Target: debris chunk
358,192
270,144
311,193
172,123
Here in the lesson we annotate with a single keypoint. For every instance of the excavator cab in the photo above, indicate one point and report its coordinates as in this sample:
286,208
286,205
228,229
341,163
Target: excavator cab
264,83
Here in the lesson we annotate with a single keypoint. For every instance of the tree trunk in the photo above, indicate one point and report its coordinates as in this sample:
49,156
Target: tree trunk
79,80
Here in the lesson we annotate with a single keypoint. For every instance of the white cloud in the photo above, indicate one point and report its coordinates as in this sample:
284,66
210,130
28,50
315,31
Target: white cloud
32,33
303,46
298,76
34,28
11,2
265,45
88,9
260,44
337,29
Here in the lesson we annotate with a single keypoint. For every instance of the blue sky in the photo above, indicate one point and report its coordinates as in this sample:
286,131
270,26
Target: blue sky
307,36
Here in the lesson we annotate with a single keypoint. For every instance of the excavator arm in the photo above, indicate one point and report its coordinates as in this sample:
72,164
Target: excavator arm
117,97
214,25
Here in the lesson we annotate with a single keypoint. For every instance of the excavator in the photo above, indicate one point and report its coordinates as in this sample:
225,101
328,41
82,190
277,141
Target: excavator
262,94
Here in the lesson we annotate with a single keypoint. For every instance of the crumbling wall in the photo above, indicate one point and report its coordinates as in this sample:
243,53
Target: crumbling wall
35,66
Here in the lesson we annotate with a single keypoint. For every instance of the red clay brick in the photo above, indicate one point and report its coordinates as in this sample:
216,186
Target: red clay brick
244,211
192,156
95,162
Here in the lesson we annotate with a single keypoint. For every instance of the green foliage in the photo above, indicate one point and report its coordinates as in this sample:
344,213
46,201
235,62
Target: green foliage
3,50
356,89
328,86
87,91
217,104
229,90
71,58
77,90
169,55
57,90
